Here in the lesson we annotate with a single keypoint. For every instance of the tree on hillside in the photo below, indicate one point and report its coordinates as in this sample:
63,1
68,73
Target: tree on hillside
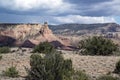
97,46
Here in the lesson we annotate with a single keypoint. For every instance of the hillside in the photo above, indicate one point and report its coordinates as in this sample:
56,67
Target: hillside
81,29
29,35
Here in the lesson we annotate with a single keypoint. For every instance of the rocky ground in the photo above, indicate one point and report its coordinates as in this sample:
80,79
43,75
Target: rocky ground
92,65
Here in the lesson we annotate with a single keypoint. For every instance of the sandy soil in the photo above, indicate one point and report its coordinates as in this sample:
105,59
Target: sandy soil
92,65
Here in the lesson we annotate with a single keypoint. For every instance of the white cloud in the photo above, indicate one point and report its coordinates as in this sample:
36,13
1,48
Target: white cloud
83,19
25,5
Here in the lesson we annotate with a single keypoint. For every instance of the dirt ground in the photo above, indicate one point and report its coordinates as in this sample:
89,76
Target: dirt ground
92,65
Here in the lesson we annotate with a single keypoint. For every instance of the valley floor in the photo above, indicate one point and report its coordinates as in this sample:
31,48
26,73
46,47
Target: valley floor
92,65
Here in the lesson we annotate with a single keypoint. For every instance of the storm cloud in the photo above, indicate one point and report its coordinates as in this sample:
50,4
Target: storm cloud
59,11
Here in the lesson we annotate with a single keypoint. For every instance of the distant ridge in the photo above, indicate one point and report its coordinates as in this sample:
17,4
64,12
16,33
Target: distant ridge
80,29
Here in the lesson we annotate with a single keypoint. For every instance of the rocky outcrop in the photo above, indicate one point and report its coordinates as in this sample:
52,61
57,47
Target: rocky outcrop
32,34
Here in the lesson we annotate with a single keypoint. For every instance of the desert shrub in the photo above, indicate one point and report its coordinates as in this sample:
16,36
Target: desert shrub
44,47
0,57
50,67
11,72
79,75
97,46
108,78
117,67
4,49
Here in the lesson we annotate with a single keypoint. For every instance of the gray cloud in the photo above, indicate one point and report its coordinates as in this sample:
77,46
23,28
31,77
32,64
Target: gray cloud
59,11
88,1
98,7
37,6
61,7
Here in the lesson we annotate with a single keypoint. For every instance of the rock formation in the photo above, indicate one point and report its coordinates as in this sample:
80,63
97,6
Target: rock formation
29,34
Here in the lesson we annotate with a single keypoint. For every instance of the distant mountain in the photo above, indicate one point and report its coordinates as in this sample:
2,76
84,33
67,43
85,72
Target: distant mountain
80,29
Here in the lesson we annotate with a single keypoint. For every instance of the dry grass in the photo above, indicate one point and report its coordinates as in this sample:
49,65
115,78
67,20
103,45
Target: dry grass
92,65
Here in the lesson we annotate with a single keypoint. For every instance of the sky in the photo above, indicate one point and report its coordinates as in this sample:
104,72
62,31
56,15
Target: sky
60,11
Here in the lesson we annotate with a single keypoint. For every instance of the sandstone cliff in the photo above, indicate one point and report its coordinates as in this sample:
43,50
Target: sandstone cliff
28,35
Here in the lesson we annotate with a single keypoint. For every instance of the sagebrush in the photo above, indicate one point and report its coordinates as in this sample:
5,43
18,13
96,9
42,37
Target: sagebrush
117,67
0,57
97,46
49,67
4,50
11,72
44,47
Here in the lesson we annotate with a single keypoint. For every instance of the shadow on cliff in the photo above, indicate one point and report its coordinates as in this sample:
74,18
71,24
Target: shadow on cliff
57,44
61,46
28,44
7,41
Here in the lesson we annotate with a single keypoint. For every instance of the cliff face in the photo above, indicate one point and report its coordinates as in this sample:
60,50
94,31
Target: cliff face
20,31
28,34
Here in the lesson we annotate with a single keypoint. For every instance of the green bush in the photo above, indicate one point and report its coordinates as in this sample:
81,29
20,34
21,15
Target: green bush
49,67
117,68
108,78
11,72
0,57
97,46
4,49
44,47
79,75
